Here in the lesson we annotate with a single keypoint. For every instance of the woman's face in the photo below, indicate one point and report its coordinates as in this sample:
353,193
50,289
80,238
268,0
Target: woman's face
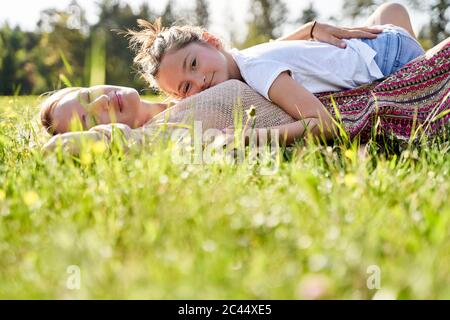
98,105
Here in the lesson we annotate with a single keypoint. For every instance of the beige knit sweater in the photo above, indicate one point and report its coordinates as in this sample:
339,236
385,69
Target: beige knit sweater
222,106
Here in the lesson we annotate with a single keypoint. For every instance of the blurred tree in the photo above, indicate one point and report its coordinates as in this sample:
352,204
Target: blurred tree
235,39
364,8
146,12
61,51
2,49
438,28
359,8
22,59
116,16
202,13
308,14
268,18
168,15
64,49
13,60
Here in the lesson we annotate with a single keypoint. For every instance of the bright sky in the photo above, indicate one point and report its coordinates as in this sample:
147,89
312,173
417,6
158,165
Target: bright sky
26,12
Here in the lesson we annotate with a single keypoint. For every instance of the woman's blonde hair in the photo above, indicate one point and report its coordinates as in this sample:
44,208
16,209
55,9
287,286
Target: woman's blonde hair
153,41
48,107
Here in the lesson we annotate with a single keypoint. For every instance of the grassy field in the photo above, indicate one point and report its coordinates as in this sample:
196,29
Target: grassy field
329,224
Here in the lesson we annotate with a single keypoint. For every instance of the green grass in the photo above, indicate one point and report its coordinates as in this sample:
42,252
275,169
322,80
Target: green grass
140,226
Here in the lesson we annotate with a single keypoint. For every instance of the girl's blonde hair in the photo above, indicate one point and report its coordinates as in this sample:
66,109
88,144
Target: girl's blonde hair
153,41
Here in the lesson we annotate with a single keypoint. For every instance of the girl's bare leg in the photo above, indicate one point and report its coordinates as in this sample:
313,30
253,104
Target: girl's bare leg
391,13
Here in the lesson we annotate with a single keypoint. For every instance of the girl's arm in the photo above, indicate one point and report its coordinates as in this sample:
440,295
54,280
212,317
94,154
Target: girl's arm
302,33
302,105
288,133
330,34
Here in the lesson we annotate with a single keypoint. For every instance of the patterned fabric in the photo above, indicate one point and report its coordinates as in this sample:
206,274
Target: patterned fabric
412,101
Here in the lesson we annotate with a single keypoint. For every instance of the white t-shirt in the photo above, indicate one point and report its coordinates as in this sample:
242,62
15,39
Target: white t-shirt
317,66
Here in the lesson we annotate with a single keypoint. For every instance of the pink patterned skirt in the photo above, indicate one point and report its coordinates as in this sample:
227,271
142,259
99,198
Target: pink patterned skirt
412,102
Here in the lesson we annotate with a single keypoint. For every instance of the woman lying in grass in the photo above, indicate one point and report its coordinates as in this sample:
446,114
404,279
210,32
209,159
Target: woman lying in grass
411,102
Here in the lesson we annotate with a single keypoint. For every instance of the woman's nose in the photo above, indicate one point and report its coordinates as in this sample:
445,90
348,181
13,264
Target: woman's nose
101,103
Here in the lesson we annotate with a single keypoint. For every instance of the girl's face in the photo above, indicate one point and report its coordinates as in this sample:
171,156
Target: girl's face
192,69
98,105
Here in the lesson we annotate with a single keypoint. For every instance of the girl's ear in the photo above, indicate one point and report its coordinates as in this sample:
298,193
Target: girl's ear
212,40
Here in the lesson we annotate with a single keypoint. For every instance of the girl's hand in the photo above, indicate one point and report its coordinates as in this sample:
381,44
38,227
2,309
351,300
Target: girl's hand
333,35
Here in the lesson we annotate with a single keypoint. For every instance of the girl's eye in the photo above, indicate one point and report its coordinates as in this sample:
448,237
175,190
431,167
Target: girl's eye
194,63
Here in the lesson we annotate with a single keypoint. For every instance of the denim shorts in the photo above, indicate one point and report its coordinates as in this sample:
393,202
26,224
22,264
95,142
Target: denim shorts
395,47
